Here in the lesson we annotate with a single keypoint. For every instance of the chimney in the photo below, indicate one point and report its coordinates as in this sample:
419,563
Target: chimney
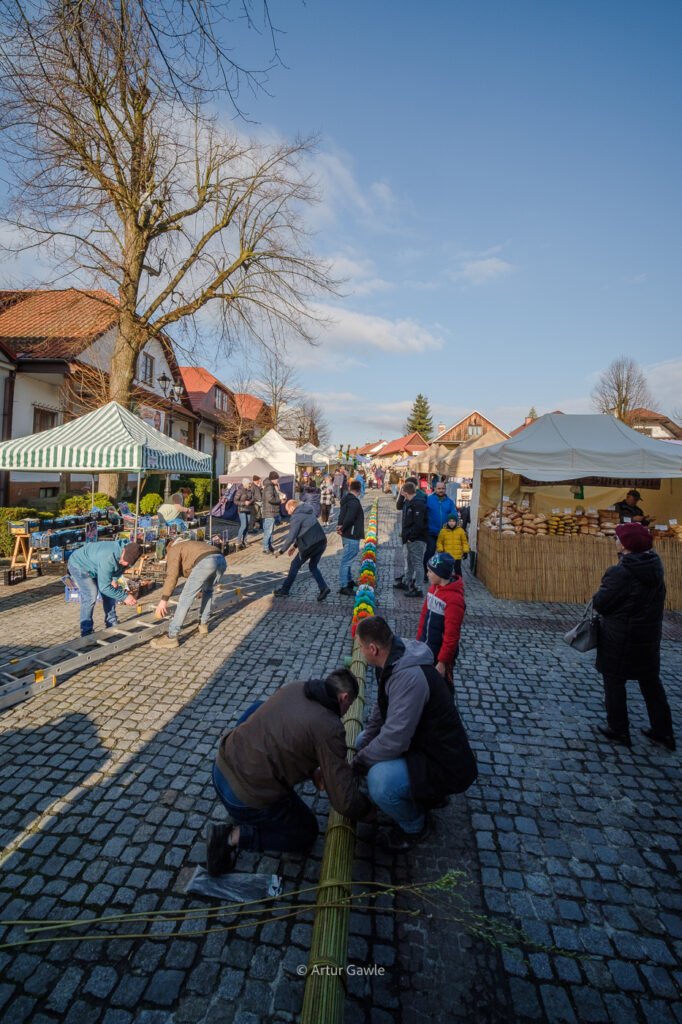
440,429
528,419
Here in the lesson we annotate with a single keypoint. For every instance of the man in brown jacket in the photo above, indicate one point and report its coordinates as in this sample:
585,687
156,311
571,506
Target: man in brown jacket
294,735
202,565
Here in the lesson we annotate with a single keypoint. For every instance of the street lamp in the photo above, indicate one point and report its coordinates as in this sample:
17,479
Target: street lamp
170,391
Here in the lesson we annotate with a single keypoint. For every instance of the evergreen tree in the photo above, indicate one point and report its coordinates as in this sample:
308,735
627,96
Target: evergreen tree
533,413
420,418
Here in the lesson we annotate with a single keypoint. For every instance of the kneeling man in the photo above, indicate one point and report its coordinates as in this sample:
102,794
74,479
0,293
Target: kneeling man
414,748
294,735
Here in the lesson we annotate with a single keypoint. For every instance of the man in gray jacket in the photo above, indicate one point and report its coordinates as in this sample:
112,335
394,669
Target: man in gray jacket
302,519
414,747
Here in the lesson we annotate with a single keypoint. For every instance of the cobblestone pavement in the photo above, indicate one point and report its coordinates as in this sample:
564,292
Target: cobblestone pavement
105,794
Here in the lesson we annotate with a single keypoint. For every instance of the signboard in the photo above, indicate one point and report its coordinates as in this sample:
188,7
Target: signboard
152,417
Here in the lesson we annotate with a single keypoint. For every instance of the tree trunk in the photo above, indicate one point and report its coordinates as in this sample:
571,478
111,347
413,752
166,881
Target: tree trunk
129,343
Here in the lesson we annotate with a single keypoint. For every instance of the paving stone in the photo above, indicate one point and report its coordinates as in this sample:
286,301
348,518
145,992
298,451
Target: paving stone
164,987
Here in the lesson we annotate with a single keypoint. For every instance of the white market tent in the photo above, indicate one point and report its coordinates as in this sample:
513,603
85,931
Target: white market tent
110,439
309,455
557,448
272,448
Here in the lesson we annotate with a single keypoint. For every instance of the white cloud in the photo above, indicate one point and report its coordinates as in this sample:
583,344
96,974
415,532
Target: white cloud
357,276
481,271
348,328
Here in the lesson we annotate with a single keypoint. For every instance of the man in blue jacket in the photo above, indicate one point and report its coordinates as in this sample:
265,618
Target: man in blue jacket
94,569
439,509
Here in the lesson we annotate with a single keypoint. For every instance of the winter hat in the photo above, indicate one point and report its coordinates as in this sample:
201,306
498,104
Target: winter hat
131,553
634,537
452,518
442,564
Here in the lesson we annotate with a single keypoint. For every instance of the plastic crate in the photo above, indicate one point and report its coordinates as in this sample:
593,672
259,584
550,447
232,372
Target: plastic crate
10,577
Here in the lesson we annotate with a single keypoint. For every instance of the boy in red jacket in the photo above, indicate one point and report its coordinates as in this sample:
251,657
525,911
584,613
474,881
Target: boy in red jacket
440,622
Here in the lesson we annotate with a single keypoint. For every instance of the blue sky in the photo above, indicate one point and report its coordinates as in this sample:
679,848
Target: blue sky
501,191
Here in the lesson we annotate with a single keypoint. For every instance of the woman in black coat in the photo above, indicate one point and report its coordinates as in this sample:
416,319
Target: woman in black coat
630,604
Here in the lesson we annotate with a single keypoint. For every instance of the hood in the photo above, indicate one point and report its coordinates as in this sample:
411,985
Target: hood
453,587
645,565
304,511
316,689
408,653
420,496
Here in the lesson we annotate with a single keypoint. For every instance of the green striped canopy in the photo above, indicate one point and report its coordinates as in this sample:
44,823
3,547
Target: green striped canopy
110,439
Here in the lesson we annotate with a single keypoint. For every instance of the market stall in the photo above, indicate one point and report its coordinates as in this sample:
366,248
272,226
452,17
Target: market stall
110,439
272,448
543,515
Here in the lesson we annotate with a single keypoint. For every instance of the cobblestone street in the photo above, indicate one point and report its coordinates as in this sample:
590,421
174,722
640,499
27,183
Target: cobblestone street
105,795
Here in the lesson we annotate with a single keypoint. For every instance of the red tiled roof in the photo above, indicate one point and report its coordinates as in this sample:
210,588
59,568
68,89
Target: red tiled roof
637,415
54,324
248,406
367,449
409,443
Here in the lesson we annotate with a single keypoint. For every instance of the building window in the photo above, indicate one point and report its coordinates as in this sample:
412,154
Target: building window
200,442
474,430
145,372
48,492
43,419
220,400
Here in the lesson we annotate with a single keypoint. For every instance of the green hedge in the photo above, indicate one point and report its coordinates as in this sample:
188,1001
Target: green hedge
79,504
150,504
7,515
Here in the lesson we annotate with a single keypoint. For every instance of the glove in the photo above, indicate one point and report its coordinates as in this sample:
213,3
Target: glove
465,556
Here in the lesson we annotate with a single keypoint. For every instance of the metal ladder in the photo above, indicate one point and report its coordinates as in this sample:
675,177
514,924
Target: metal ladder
22,678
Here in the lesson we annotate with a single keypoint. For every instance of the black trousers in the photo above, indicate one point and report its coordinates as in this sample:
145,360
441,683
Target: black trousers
431,545
658,709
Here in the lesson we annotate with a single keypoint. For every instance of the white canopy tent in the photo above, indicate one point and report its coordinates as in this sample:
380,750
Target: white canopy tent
110,439
272,448
559,448
309,455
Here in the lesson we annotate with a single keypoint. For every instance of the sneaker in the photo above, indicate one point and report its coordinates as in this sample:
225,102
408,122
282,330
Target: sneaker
615,737
240,547
413,592
400,842
220,856
203,629
280,593
353,584
164,643
347,590
665,741
399,585
323,594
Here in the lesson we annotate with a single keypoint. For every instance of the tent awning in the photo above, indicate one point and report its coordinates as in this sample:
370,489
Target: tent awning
558,447
110,439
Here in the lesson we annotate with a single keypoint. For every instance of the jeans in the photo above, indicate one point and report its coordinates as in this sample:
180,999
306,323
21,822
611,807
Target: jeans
389,788
288,824
205,574
350,550
394,490
431,545
244,520
88,590
268,527
658,709
415,563
296,564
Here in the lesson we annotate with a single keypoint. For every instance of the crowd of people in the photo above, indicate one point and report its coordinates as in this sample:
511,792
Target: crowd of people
413,752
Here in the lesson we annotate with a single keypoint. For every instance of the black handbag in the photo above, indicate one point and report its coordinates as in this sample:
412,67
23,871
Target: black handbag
312,540
584,637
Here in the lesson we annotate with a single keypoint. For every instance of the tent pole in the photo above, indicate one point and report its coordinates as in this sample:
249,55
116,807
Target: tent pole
92,499
210,508
501,498
137,503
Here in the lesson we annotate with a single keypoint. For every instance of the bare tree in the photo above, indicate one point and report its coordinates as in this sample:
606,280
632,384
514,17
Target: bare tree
238,429
621,388
277,385
310,423
123,176
676,415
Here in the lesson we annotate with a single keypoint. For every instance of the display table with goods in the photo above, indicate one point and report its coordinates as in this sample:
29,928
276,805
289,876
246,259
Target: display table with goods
544,508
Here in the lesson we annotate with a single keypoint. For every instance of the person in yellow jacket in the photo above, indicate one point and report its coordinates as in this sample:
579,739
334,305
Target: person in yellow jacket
453,539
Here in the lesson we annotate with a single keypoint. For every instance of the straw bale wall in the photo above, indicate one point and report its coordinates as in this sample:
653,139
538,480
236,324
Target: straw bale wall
525,568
